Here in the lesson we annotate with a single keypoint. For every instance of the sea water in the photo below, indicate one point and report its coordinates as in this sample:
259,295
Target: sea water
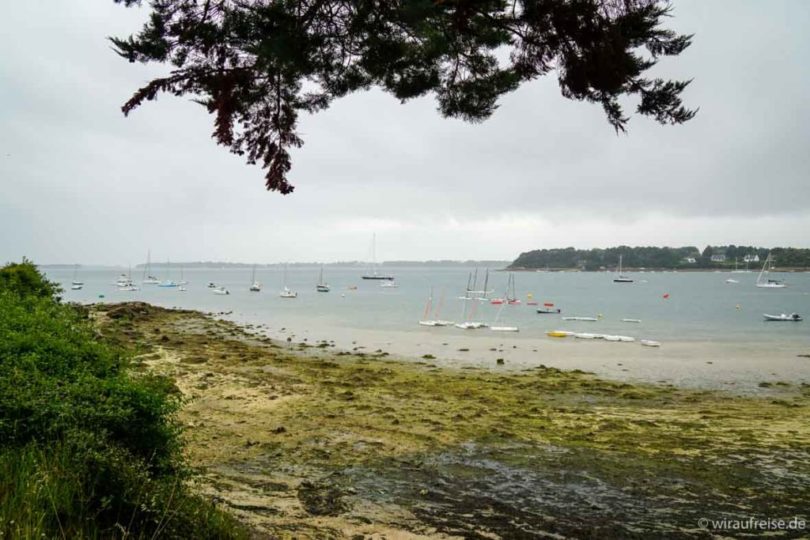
680,306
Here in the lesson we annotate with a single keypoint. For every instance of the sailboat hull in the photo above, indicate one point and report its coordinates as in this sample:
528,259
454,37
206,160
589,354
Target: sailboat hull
387,278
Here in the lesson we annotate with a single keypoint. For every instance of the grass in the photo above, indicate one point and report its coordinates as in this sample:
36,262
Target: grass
88,447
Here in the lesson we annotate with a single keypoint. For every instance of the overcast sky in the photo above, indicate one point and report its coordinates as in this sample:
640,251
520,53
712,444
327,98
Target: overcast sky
81,183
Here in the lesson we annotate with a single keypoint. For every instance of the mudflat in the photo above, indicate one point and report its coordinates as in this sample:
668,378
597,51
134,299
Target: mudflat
304,440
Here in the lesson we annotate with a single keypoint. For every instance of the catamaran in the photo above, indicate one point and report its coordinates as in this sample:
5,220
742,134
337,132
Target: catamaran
321,286
622,278
769,283
373,274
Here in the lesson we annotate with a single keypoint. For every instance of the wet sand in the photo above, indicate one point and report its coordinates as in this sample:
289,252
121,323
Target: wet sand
730,366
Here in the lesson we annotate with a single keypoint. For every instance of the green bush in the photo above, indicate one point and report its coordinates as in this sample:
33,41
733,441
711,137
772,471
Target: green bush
87,449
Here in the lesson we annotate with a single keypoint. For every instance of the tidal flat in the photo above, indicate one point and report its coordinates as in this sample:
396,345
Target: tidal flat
304,440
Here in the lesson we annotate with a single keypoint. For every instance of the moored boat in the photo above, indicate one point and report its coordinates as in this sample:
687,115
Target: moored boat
792,317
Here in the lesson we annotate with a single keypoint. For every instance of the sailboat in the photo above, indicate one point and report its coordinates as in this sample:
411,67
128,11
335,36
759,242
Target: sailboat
286,292
167,282
468,324
374,274
148,278
499,328
436,321
321,286
182,280
769,283
125,282
255,286
622,278
75,284
511,297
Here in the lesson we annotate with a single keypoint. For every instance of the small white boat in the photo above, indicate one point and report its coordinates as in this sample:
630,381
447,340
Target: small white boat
769,283
428,308
255,285
588,319
182,288
504,328
470,325
632,320
389,284
76,287
730,280
621,278
322,286
585,335
793,317
148,278
650,343
287,293
220,290
626,339
167,283
128,288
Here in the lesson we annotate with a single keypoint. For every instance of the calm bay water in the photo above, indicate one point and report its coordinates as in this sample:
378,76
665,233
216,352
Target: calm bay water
700,306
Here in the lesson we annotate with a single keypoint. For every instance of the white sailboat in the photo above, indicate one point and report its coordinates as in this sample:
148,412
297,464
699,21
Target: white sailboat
322,286
220,290
435,321
255,286
75,284
286,292
495,327
762,280
168,281
125,283
148,278
374,274
182,280
622,278
469,324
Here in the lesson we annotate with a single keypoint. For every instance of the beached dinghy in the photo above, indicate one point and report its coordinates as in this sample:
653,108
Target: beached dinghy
793,317
470,325
650,343
626,339
504,328
559,333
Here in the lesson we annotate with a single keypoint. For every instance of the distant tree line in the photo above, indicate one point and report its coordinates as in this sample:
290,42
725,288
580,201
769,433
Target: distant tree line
717,257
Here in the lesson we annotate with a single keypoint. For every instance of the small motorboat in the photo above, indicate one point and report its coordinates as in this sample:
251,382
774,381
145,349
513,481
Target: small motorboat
793,317
255,287
220,290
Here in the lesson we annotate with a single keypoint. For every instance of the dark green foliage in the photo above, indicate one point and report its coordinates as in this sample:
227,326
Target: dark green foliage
660,257
256,64
86,448
24,279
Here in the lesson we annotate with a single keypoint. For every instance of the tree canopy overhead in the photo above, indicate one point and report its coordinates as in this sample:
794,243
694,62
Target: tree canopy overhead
256,64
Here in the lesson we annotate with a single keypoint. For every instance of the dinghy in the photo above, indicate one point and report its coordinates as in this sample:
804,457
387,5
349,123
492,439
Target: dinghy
559,333
504,328
632,320
793,317
588,319
220,290
650,343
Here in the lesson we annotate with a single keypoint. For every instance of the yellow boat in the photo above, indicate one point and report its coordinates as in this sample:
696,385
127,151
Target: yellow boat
558,333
